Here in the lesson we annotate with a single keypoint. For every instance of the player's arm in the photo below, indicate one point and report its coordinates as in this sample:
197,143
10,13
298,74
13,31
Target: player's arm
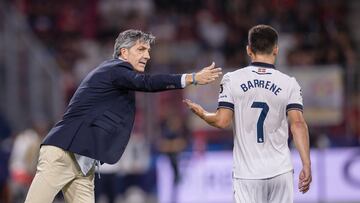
300,133
221,118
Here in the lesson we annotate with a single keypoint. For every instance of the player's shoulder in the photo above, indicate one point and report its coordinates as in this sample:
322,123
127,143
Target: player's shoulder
284,76
290,80
238,72
230,75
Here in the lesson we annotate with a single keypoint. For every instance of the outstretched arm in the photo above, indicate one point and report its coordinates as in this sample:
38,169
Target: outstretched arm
132,80
300,133
221,118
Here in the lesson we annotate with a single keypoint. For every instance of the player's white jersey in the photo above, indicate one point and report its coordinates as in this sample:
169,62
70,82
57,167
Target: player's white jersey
260,96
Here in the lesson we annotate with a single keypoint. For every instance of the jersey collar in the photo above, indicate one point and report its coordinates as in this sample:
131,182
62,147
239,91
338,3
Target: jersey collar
261,64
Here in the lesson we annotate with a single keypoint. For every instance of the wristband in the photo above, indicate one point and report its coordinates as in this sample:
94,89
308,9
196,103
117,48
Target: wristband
194,82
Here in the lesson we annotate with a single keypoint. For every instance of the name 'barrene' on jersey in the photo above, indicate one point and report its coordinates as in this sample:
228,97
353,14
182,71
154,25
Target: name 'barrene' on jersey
265,84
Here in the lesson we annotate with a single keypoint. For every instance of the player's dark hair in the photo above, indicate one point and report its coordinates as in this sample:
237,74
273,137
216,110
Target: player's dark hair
262,39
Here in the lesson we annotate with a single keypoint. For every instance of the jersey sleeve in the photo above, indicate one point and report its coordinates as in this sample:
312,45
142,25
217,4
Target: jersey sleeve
225,99
295,99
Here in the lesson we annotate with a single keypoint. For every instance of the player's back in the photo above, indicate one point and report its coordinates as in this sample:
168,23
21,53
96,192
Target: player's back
260,95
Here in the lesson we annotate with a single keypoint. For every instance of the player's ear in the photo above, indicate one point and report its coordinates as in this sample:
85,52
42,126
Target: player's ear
276,50
249,52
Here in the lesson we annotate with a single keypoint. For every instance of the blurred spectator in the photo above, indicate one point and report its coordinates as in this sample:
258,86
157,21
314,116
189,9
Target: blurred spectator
135,168
208,23
118,181
107,187
319,30
173,140
23,160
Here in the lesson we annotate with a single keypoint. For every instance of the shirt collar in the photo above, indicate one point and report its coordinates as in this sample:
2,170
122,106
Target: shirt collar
261,64
121,58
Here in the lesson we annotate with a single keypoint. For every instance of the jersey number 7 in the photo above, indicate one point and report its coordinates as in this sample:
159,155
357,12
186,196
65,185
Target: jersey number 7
260,123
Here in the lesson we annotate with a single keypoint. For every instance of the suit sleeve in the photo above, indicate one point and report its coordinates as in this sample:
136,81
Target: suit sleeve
131,80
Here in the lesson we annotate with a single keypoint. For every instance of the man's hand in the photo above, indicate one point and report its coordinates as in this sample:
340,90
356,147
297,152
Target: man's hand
196,108
220,119
208,74
305,179
205,76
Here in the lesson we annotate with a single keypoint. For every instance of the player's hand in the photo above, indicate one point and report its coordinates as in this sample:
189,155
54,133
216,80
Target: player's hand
305,179
208,74
196,108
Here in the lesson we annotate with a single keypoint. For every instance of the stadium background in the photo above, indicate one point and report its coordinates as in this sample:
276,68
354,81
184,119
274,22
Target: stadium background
48,46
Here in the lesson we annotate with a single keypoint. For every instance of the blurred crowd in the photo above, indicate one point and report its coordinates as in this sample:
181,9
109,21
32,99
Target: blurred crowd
80,34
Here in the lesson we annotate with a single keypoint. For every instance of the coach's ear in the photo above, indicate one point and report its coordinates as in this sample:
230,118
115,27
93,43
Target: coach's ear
124,52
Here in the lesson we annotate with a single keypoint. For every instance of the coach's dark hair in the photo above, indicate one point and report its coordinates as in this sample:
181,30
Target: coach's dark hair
262,39
128,38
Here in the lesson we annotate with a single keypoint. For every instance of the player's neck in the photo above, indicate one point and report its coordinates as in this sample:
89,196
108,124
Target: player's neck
270,59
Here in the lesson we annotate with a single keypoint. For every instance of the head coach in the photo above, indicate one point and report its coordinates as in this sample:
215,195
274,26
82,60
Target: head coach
97,123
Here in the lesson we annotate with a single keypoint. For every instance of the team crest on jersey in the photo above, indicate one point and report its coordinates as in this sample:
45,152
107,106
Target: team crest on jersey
261,71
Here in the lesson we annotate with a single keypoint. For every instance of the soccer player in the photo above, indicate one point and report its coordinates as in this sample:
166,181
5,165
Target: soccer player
259,100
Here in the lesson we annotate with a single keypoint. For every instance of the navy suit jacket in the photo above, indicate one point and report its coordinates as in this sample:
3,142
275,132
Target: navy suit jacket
100,116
